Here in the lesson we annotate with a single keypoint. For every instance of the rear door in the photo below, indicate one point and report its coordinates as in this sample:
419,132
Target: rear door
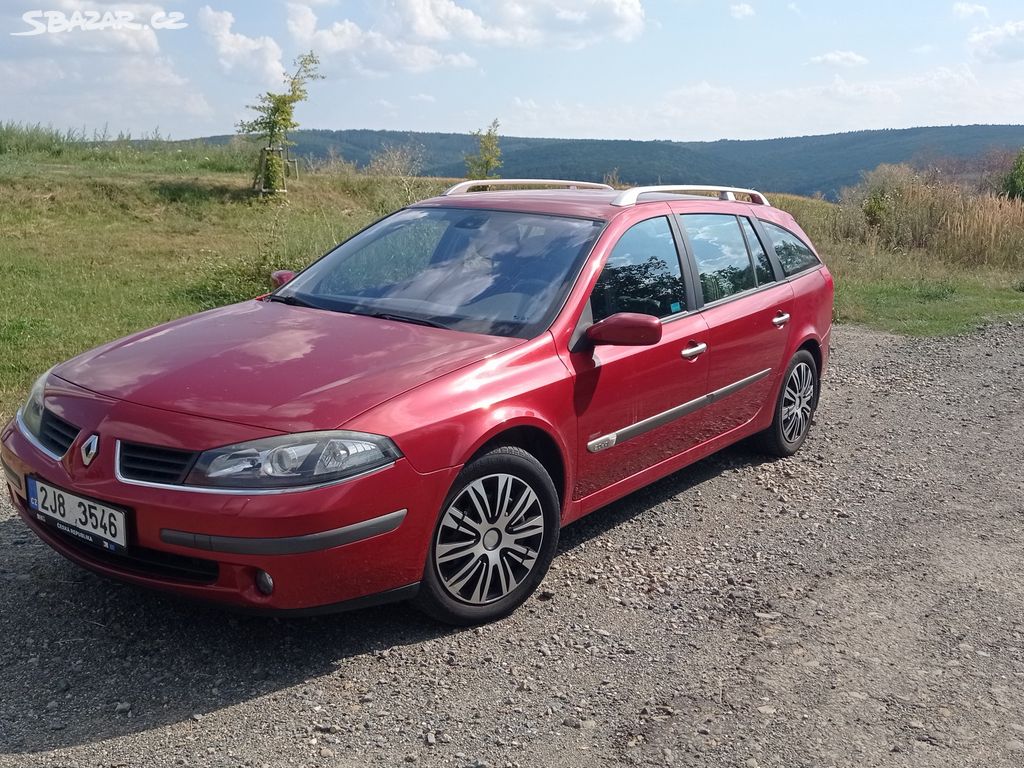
632,402
747,309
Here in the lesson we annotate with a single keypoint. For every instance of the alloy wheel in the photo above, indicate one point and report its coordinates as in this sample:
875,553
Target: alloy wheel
798,402
489,539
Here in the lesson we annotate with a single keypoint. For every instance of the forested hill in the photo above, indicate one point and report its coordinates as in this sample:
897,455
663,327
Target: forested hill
802,165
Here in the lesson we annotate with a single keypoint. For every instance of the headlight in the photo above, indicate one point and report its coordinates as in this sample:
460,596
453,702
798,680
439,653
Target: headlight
289,461
32,411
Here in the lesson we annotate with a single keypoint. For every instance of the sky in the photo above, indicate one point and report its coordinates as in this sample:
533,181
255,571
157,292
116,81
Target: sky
680,70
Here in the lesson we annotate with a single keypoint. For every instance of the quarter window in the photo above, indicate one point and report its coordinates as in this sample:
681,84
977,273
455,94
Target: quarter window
794,254
642,274
721,254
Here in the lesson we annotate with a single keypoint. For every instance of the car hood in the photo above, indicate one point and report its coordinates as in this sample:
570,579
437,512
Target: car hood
275,366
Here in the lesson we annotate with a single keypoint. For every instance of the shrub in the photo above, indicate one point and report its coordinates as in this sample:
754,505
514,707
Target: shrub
899,210
1013,183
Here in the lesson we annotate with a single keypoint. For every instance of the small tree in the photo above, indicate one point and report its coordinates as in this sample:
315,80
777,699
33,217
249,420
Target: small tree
275,117
1013,182
487,160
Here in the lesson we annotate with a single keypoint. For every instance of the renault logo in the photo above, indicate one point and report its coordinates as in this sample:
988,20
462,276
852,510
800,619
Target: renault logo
89,449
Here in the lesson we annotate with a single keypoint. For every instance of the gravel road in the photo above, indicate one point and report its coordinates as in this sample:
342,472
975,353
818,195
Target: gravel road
860,604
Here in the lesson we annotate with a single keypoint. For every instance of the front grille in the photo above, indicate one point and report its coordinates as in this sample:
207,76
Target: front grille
152,464
146,562
55,434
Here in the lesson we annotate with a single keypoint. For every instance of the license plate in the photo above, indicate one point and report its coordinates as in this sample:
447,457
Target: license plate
85,519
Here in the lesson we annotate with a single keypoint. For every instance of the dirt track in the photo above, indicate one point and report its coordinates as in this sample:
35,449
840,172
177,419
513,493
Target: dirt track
860,604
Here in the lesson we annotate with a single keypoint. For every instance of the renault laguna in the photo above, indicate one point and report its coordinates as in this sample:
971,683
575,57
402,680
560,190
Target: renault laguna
419,412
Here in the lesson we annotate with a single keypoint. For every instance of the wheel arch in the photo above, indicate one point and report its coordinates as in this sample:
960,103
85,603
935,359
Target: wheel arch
539,441
812,345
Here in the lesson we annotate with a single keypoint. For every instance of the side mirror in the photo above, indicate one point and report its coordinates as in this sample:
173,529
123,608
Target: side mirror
626,329
281,276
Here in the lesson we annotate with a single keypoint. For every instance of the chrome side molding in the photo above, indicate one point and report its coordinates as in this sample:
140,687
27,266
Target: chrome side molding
666,417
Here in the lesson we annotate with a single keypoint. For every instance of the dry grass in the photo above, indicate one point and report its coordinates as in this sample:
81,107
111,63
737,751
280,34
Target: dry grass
918,256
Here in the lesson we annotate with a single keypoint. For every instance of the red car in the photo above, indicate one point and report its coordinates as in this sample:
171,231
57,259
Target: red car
419,412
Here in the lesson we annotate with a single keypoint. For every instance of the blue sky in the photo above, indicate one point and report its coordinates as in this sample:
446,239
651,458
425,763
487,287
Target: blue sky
631,69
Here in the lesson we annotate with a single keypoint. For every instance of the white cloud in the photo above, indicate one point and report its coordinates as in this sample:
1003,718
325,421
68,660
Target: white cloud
444,19
741,11
425,98
1004,42
260,56
423,35
969,10
794,7
840,59
132,92
570,24
366,52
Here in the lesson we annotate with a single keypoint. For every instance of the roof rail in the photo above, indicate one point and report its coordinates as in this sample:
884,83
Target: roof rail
631,196
464,187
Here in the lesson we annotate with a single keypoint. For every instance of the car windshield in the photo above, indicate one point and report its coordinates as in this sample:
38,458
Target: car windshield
500,273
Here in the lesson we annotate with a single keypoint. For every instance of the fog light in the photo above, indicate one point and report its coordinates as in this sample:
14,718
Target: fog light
264,582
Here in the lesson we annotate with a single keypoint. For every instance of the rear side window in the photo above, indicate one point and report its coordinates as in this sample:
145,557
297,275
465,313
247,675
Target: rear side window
794,254
762,266
642,274
721,254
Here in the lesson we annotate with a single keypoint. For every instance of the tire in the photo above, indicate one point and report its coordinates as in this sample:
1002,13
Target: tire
495,537
790,427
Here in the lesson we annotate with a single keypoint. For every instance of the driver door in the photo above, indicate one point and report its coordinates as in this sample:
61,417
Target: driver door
636,406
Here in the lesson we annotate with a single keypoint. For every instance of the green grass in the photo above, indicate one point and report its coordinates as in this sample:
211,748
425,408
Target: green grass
918,292
96,243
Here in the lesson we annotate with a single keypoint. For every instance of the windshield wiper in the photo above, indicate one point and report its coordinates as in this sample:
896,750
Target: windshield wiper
292,301
403,319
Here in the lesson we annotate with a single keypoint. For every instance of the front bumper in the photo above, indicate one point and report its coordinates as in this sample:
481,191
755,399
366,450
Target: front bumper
360,540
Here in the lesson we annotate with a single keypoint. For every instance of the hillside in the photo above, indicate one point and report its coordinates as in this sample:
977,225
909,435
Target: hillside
804,165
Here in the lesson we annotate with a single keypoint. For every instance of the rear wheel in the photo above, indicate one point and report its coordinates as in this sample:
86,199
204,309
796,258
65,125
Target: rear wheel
494,540
794,410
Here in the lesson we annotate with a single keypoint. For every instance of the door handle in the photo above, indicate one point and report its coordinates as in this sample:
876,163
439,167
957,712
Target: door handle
697,349
780,319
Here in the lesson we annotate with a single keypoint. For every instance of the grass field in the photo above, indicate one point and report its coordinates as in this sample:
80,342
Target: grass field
92,250
914,291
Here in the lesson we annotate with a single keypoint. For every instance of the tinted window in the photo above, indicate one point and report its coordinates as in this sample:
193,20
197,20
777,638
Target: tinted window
762,266
793,253
721,254
492,272
642,274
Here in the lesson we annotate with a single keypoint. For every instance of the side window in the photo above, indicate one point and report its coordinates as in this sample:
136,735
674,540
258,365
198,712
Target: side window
642,274
762,266
793,253
721,254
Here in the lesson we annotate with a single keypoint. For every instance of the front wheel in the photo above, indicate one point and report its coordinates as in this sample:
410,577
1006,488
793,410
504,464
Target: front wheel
795,407
494,541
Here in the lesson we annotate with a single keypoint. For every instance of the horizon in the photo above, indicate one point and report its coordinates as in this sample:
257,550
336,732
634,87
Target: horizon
571,69
503,135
